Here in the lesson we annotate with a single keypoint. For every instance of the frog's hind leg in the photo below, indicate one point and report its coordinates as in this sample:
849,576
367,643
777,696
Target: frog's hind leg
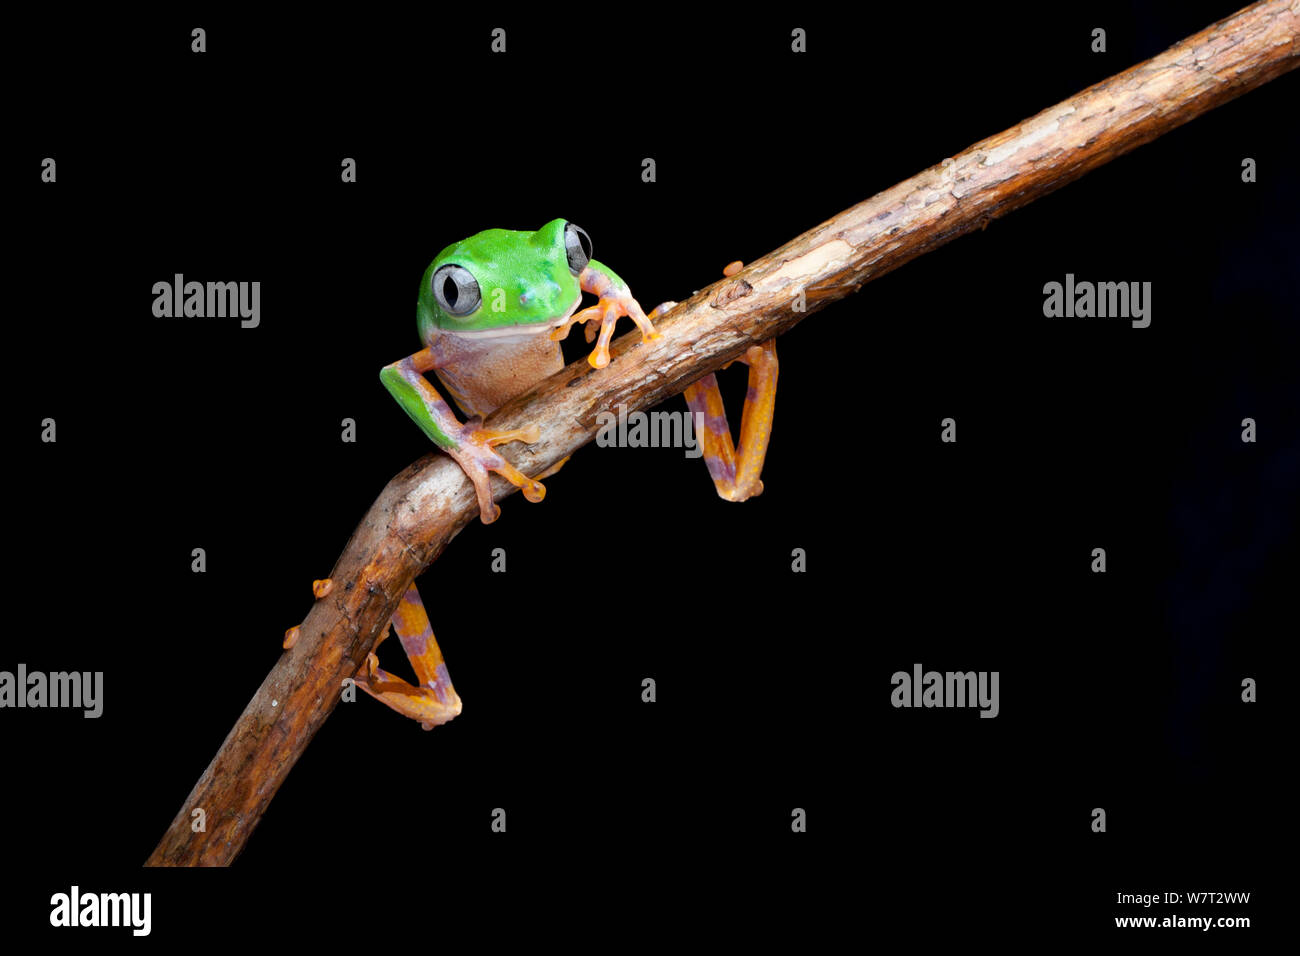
735,470
434,701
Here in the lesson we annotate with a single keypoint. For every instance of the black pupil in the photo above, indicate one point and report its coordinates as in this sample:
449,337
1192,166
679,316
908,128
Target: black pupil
450,291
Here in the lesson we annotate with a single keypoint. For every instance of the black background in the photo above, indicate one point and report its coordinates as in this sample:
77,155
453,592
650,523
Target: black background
1119,691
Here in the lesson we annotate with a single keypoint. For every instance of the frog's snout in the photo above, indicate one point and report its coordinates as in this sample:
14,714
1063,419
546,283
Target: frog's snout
537,296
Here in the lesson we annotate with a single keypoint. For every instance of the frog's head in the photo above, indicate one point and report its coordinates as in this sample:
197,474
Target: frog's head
504,282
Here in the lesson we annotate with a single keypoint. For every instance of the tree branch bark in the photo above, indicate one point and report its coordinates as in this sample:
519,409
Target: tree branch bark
427,504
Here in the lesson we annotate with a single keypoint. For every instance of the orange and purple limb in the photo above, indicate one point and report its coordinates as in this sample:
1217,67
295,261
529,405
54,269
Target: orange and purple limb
434,700
735,470
470,444
615,299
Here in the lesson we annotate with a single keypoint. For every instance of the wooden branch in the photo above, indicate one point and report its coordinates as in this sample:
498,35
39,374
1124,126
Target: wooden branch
426,505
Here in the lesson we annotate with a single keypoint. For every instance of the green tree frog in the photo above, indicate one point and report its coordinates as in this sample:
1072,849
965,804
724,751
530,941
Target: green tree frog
491,312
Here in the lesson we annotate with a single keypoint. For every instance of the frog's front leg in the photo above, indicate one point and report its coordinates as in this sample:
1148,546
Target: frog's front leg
615,300
470,444
434,701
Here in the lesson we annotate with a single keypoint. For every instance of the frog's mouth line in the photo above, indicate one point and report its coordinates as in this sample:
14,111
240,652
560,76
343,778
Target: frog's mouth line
525,330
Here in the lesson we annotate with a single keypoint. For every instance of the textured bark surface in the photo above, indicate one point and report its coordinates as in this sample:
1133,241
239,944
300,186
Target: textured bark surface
426,505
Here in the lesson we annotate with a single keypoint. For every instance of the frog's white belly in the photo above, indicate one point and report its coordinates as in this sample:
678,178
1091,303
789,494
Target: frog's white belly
483,373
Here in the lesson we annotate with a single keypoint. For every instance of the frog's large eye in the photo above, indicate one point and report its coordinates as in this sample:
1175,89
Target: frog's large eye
577,245
456,289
